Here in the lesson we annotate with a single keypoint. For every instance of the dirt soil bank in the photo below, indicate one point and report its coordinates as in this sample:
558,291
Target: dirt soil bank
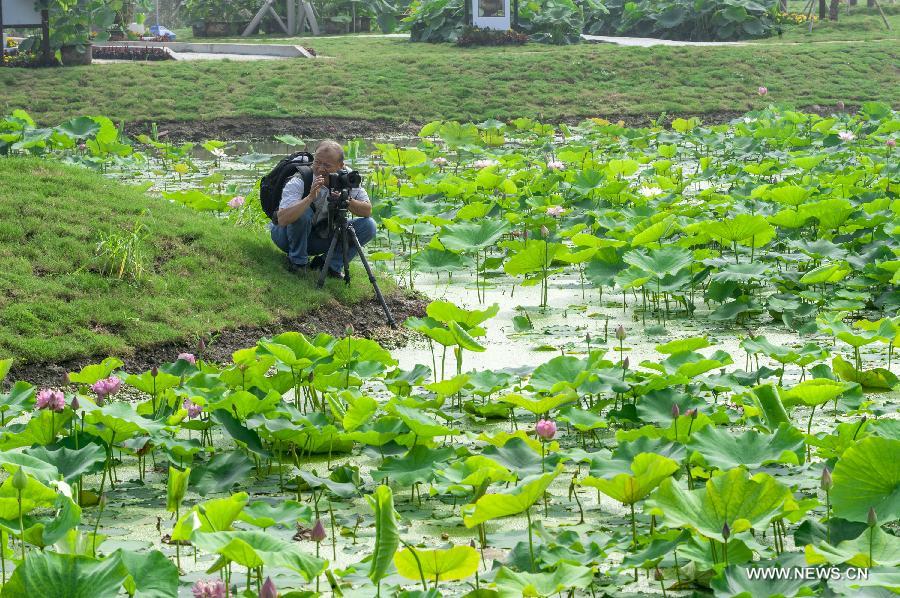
367,319
249,128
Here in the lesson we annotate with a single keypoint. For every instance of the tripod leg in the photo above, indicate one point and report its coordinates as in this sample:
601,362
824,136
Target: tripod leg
362,257
346,254
328,255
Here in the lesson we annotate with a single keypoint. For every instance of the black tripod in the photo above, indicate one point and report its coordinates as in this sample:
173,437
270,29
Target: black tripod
342,231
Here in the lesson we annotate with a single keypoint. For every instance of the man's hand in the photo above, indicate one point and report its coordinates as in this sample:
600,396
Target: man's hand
317,184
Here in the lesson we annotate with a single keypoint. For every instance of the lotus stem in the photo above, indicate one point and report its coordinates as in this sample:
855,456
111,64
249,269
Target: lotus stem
530,538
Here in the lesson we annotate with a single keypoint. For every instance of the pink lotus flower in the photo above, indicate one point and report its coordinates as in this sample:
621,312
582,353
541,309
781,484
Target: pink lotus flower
440,161
762,91
545,232
51,399
846,136
188,357
194,410
484,163
555,211
556,165
209,589
236,202
268,589
891,143
546,429
318,532
104,388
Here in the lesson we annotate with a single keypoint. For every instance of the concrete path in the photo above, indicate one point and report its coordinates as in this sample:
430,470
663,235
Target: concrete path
647,42
217,51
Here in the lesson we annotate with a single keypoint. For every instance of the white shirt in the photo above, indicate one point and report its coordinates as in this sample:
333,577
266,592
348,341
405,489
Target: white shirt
293,193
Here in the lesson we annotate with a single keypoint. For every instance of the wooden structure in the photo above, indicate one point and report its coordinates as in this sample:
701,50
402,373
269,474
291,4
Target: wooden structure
300,15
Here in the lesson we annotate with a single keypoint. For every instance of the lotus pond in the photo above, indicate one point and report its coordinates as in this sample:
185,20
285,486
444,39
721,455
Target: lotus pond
655,360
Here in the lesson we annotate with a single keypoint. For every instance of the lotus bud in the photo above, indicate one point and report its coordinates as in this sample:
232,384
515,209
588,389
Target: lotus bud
872,517
676,411
620,333
312,376
545,232
726,531
19,480
891,143
625,363
268,589
103,501
154,371
349,330
692,413
827,482
546,429
762,91
840,106
75,404
318,531
658,575
201,346
587,337
471,543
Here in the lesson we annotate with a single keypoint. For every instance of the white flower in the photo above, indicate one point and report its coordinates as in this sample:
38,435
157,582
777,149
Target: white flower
650,191
556,165
484,163
846,136
555,211
218,152
440,161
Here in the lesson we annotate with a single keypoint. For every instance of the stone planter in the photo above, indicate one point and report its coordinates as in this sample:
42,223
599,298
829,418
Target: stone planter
71,56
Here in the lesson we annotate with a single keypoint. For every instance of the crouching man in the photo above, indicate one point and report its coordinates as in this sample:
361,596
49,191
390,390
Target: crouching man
302,229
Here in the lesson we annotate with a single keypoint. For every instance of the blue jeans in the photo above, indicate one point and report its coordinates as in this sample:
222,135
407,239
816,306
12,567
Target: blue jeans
299,242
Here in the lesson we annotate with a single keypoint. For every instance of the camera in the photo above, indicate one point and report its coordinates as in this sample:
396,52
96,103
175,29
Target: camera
344,179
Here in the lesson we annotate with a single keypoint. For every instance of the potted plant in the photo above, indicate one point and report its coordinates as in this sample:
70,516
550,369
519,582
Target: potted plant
76,24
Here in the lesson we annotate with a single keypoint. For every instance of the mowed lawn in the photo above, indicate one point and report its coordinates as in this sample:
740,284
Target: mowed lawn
202,273
399,81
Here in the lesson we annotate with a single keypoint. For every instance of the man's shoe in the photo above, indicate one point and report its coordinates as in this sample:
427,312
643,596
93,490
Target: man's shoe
335,274
298,268
317,262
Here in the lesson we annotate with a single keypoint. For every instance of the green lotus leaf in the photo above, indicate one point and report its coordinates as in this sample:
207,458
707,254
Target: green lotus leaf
535,257
467,237
66,576
256,549
20,398
285,514
723,449
475,471
150,574
341,489
46,531
874,379
815,392
510,502
98,371
418,465
176,487
387,536
581,420
71,463
150,384
734,582
884,548
740,228
120,421
459,562
420,424
462,338
660,262
42,470
866,476
359,412
683,345
567,576
832,273
210,516
733,497
436,260
221,473
539,406
648,470
769,403
34,495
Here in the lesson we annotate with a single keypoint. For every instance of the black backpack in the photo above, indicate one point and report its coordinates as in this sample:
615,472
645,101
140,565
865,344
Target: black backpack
272,185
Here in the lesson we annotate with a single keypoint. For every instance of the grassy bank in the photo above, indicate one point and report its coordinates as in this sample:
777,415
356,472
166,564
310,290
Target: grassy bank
202,274
393,79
